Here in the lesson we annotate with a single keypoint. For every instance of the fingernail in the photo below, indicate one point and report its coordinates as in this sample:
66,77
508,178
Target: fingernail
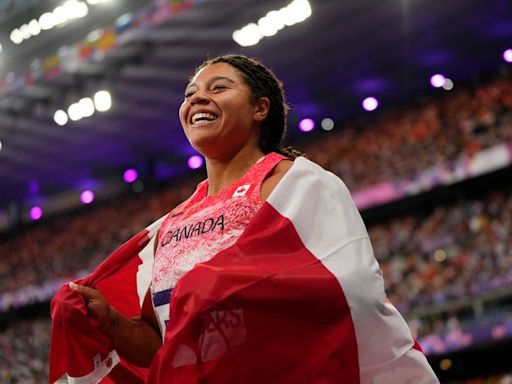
72,285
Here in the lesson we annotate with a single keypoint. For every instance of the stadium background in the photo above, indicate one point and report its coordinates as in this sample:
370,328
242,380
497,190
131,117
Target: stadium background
408,101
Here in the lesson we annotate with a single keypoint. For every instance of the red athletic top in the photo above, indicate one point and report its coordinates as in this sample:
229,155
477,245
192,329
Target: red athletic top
203,225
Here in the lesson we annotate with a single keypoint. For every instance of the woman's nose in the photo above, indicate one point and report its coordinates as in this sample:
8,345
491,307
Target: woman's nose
199,97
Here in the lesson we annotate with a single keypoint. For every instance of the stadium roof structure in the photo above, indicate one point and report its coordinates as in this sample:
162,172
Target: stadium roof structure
345,51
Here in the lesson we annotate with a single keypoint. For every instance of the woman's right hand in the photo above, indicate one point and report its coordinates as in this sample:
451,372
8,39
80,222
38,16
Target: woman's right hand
134,339
97,306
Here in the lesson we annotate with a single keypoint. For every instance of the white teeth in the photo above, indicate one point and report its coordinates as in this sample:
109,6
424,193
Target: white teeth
202,116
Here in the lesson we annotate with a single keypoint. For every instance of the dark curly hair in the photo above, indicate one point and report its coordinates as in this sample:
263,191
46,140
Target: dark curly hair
263,83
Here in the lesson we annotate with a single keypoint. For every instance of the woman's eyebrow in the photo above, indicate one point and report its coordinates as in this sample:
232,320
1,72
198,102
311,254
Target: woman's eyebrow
213,79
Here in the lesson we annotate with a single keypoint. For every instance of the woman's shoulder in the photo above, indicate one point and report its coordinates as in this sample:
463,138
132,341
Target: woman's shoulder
274,177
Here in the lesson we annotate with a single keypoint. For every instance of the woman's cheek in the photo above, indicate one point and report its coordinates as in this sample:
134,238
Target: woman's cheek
183,112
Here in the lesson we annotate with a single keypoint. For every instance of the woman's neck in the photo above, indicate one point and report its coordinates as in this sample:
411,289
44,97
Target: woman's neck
222,172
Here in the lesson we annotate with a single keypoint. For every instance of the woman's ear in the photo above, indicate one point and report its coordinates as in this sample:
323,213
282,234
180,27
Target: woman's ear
261,108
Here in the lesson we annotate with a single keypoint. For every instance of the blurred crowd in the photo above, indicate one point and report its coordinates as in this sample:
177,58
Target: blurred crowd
451,253
24,349
427,258
496,379
81,241
401,143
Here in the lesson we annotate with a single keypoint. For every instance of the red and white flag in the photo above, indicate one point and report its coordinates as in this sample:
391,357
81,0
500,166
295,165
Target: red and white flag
79,353
299,298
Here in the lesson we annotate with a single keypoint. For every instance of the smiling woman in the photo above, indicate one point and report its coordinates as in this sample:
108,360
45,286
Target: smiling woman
218,115
264,275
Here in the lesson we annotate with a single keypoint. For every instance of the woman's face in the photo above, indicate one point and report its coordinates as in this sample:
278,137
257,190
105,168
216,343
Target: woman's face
218,114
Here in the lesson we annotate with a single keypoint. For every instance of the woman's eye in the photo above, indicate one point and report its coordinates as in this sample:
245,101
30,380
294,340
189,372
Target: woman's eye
188,95
219,87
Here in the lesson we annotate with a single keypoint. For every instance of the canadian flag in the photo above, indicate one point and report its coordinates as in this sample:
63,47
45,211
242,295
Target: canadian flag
241,190
79,353
299,298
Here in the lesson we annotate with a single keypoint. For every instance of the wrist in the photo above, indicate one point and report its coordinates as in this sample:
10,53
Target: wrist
110,320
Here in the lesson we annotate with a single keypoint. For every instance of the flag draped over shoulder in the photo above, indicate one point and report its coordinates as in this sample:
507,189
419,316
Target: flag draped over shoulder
79,353
299,298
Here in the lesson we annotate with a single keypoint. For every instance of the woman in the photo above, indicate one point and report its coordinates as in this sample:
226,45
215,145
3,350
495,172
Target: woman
259,286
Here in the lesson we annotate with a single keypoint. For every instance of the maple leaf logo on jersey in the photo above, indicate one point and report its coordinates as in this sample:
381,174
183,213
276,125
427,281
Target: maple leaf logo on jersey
241,190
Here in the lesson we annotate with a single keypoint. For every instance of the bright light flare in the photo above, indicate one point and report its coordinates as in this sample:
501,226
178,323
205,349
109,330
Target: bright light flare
370,104
102,101
16,36
295,12
60,117
507,55
75,112
306,125
87,197
25,32
60,15
327,124
448,84
248,35
130,175
46,21
195,162
36,213
86,107
34,27
437,80
270,24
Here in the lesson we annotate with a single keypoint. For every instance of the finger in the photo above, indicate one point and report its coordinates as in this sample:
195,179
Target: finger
87,292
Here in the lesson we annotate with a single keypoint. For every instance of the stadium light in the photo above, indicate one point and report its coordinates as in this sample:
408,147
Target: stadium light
507,55
195,162
306,125
437,80
71,9
78,9
87,197
270,24
60,117
248,35
102,101
275,20
61,15
86,107
25,32
130,175
34,27
1,145
327,124
75,112
16,36
46,21
36,213
445,364
370,104
448,84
